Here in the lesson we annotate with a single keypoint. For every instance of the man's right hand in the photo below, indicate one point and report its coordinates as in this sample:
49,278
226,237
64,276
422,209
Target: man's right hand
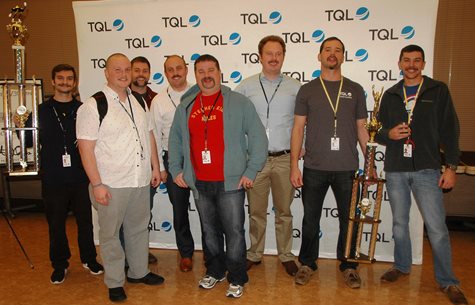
296,177
180,181
399,132
102,194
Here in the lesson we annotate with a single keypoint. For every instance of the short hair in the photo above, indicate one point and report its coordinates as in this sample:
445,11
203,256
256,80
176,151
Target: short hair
140,59
108,60
62,67
173,56
412,48
207,57
331,39
272,38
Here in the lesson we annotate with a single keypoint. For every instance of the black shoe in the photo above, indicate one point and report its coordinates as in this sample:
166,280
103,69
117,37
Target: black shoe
94,267
117,294
149,279
58,275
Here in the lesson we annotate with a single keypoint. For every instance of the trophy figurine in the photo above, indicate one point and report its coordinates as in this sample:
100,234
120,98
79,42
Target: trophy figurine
21,98
360,196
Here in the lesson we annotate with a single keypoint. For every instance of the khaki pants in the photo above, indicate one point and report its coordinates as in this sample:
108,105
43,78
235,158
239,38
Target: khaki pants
274,176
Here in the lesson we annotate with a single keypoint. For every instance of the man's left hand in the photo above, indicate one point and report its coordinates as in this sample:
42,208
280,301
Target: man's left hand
447,180
245,183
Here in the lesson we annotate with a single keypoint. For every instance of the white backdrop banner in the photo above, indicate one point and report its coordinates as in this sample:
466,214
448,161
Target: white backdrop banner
373,31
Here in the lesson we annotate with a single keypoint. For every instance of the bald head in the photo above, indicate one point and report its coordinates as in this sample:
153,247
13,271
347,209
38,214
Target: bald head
118,73
113,57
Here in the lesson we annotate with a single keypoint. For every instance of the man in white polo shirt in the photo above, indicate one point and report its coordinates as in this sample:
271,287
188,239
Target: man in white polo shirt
120,158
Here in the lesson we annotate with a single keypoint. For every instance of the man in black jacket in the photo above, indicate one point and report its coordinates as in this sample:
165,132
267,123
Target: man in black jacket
419,119
64,182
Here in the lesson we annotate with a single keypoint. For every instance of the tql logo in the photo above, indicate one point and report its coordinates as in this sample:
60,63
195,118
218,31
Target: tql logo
182,22
221,40
260,18
104,26
361,13
406,32
141,42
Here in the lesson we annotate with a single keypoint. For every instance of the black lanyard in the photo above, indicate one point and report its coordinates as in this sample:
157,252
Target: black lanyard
273,94
170,97
206,117
131,116
62,128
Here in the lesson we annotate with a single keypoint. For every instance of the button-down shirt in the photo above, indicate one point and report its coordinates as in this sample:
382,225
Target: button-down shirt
122,147
277,112
163,110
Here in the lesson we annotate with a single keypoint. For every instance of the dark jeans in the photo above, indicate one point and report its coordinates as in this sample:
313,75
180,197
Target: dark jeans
222,218
58,200
180,199
314,190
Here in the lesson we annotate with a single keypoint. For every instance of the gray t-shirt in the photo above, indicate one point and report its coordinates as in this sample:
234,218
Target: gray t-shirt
313,103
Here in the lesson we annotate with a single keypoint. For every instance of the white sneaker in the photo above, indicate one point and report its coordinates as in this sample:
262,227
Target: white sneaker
208,282
234,291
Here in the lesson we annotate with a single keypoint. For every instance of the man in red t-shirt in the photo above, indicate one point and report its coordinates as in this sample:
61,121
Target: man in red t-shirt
217,144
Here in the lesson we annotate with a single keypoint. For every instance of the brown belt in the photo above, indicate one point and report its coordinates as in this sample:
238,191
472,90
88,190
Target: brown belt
278,153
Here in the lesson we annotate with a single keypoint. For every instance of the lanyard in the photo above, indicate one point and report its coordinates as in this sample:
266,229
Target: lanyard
334,108
273,94
206,117
406,101
170,97
62,129
131,116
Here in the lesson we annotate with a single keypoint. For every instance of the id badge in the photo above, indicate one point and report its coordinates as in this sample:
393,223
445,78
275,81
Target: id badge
206,157
66,160
335,143
407,150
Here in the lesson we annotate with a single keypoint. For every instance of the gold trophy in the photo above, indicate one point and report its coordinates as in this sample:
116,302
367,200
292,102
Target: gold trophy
362,200
20,101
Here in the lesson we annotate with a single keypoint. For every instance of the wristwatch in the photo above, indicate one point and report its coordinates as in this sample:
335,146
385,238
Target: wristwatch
451,166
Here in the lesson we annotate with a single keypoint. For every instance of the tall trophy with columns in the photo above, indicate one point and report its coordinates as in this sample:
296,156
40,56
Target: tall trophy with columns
21,98
362,200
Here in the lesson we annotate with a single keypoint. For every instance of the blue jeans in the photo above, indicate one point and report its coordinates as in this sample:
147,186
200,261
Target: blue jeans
222,218
314,190
428,195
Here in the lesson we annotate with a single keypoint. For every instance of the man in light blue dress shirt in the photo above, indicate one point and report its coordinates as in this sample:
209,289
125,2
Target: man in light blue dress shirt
273,95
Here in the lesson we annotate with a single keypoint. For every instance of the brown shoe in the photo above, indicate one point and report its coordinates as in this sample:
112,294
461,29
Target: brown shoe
455,295
290,267
250,263
303,275
392,275
352,278
186,264
151,258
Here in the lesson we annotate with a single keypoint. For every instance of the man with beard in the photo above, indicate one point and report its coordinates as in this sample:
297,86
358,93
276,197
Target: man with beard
140,79
217,145
139,84
418,119
332,108
163,110
120,158
273,94
64,182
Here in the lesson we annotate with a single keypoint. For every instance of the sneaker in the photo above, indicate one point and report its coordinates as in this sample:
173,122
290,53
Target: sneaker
208,282
234,291
392,275
352,278
455,295
94,267
58,276
303,275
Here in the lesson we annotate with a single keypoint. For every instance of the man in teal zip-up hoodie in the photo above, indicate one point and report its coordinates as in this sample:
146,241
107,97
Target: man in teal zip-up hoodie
217,144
